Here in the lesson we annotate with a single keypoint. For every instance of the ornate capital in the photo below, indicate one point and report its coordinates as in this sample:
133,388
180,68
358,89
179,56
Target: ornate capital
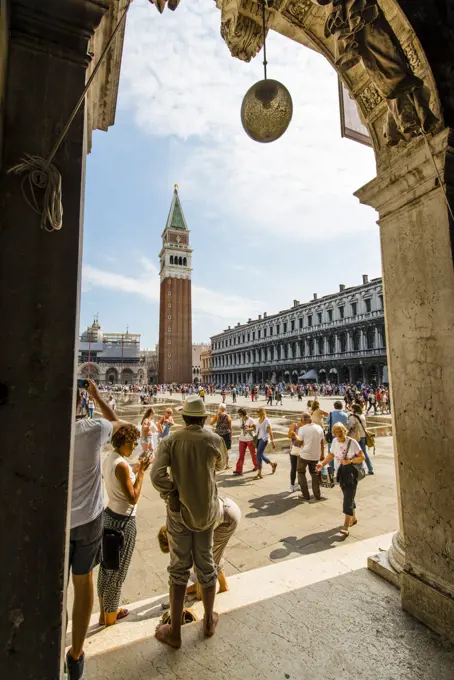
241,27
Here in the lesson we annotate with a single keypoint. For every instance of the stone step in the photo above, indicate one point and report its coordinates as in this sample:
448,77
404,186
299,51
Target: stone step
245,589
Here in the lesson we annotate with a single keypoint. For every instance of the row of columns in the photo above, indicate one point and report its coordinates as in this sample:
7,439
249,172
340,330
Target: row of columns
302,348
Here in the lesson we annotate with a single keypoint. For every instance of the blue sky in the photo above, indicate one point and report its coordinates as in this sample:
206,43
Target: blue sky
269,223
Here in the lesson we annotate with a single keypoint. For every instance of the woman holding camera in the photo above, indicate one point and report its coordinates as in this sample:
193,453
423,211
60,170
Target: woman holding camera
123,486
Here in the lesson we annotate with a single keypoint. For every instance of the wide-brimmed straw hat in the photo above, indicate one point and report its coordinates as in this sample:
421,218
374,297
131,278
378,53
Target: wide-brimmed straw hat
194,406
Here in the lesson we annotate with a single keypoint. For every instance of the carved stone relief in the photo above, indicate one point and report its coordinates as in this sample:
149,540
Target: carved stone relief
243,35
363,35
369,99
295,11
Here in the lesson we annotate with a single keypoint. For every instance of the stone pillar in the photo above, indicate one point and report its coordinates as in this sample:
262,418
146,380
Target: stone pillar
418,287
40,283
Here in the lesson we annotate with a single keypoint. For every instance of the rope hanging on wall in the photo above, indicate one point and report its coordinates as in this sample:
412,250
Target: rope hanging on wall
40,174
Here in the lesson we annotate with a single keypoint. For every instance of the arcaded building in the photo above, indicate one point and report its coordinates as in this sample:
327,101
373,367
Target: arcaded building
338,338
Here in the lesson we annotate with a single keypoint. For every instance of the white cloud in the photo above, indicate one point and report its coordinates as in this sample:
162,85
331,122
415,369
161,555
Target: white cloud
180,80
207,304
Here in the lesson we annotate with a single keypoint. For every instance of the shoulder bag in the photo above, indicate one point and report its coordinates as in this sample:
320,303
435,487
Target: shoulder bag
359,467
112,544
329,435
370,437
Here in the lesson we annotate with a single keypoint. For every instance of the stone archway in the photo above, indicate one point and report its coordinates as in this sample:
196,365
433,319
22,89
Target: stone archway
89,370
112,376
127,376
414,158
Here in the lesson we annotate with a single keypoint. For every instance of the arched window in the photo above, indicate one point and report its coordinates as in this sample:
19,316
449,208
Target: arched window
185,262
171,259
180,260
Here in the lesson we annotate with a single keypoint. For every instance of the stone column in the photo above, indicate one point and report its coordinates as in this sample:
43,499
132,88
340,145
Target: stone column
418,281
40,283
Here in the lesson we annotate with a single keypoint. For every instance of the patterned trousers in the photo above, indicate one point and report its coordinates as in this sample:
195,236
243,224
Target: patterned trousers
109,581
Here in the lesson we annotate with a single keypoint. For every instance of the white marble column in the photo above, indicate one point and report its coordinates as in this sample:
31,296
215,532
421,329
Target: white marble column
418,287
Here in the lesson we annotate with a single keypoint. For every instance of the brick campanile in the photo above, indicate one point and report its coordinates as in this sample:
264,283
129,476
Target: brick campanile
175,312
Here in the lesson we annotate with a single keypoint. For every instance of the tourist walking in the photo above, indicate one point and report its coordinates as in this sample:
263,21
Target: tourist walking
165,423
184,473
223,423
246,441
148,429
317,413
347,453
202,393
264,436
123,487
91,407
86,522
311,440
269,394
294,453
337,415
356,428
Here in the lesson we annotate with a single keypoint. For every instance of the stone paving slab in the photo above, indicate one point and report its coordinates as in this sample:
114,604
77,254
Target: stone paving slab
311,618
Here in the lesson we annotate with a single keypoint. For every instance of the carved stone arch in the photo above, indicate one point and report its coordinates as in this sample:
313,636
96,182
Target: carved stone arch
305,21
89,370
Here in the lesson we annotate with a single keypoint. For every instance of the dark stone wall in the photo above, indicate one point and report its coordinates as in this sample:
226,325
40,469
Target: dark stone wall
433,23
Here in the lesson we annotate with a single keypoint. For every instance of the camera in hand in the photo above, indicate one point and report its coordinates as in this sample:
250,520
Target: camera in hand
83,384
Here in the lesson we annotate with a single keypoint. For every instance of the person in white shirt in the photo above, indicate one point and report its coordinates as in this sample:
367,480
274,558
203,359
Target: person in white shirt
123,486
246,441
311,440
86,526
264,435
347,453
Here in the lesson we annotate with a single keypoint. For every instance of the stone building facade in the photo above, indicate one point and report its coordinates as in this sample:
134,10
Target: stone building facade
175,312
206,364
338,338
111,357
198,349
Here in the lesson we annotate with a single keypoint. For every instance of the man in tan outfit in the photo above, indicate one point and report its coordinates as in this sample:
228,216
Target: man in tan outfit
192,455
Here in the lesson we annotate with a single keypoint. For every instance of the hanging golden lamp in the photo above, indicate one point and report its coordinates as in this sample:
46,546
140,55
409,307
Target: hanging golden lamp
267,106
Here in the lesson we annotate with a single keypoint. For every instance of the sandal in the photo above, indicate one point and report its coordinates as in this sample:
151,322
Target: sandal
122,614
344,532
353,523
274,466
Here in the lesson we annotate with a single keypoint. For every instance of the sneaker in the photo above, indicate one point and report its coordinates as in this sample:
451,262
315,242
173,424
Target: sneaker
291,488
297,487
237,473
75,669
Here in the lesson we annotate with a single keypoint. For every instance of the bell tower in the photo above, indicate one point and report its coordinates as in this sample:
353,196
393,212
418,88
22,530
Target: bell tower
175,313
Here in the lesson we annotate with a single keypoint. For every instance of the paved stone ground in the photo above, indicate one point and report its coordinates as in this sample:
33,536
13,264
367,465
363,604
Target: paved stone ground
346,627
275,526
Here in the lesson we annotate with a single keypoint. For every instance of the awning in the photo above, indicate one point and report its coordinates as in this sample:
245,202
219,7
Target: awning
309,375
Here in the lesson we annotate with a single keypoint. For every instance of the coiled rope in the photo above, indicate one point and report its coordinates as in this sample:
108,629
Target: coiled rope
40,174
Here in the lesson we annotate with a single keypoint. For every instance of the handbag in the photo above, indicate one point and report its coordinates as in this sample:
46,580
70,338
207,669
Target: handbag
295,450
329,435
359,467
113,541
370,436
255,440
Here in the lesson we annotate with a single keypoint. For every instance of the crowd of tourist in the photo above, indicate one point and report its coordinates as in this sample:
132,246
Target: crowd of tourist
184,461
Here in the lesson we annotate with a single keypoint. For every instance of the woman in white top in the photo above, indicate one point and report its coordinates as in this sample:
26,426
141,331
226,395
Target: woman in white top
246,441
264,435
347,453
123,487
148,429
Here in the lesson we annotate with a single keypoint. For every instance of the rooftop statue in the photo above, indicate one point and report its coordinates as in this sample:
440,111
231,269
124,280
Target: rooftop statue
363,35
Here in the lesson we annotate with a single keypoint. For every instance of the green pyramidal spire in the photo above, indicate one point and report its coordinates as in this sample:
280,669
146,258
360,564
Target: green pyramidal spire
176,219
